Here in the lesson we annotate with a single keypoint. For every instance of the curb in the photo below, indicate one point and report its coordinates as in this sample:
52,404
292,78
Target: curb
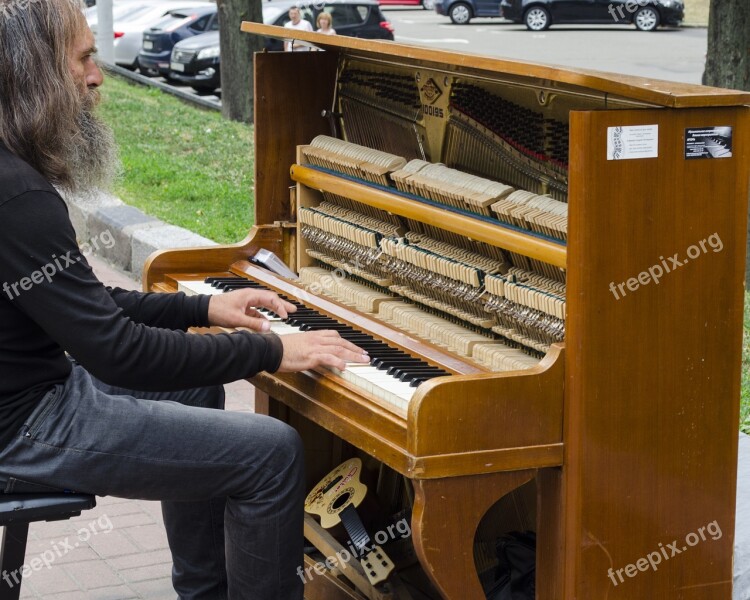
174,91
122,234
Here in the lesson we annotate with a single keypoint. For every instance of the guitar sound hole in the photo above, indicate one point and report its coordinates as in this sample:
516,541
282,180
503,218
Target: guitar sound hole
341,501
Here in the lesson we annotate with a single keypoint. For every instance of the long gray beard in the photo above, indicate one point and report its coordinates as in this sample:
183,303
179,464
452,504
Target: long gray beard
93,158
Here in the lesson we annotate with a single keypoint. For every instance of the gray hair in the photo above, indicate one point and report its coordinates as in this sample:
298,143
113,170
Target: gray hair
40,102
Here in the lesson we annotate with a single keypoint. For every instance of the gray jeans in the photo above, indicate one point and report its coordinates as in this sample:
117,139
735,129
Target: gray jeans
231,484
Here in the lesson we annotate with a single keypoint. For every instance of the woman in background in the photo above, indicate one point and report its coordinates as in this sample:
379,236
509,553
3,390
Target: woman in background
324,24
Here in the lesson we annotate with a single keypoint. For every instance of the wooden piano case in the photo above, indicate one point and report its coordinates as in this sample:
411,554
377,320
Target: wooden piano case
628,430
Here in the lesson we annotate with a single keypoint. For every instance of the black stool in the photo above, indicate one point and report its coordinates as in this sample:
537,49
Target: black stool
16,512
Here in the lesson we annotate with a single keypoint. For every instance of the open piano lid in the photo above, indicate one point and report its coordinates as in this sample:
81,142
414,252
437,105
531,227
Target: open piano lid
655,92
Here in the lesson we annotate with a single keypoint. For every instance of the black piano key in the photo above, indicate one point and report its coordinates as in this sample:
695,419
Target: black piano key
398,357
391,366
361,337
408,377
294,318
225,279
324,326
400,372
303,317
391,355
374,347
402,362
229,285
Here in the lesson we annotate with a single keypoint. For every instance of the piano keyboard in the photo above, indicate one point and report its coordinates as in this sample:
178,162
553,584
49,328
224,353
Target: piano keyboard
392,377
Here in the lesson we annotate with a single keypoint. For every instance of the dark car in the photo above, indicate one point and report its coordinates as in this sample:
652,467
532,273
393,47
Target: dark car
463,11
426,4
197,61
647,15
176,25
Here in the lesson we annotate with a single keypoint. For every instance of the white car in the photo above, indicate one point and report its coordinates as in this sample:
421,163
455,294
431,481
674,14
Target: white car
130,19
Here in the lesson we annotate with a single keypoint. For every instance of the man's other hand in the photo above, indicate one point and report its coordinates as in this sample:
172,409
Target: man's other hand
322,348
237,309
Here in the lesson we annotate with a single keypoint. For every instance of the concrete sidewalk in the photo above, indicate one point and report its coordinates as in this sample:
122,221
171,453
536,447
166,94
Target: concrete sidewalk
118,551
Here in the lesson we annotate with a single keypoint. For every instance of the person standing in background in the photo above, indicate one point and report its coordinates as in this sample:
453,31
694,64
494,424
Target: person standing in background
296,22
324,24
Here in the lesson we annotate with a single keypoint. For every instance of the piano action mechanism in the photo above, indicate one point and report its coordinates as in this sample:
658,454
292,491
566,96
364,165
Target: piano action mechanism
580,317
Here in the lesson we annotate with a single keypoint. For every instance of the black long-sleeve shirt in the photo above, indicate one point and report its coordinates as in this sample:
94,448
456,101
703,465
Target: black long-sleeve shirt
51,303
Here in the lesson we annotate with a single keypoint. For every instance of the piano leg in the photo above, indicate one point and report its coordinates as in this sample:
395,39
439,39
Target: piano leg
446,515
262,403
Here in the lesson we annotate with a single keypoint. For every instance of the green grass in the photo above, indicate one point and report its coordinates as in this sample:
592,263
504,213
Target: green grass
184,165
192,168
696,12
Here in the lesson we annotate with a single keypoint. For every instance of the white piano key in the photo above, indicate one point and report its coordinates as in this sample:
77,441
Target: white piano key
379,383
197,288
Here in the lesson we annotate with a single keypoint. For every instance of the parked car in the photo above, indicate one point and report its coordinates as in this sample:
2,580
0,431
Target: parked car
463,11
176,25
647,15
131,18
355,18
197,60
121,10
426,4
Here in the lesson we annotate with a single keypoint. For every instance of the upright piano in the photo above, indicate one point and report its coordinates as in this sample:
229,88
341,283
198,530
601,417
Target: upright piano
559,254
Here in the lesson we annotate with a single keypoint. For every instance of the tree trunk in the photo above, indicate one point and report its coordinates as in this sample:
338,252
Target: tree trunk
237,48
728,58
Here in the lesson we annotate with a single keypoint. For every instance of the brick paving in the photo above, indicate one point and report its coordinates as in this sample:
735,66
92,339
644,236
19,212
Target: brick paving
118,550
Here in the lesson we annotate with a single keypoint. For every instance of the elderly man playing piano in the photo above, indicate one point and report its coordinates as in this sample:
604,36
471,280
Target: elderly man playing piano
231,484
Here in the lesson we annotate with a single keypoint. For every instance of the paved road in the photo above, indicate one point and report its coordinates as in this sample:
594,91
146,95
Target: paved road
673,54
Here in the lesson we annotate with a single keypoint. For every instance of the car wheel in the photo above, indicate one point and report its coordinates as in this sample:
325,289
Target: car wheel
646,19
460,13
428,4
203,89
537,18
